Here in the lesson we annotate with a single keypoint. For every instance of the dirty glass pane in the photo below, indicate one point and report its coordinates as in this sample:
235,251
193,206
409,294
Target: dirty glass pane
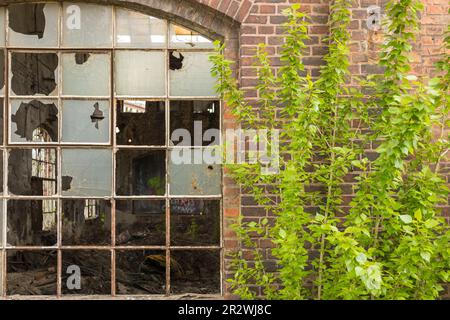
200,118
140,222
1,231
190,74
86,222
94,268
86,74
184,38
2,72
140,172
87,25
140,272
1,175
32,222
32,172
189,174
34,74
137,30
141,122
1,272
195,271
86,172
31,272
194,222
33,25
34,121
140,73
1,119
85,121
2,29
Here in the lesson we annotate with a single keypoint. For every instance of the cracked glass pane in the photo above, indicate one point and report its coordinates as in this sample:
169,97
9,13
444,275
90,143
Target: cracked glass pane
140,73
140,272
184,38
33,25
32,172
87,25
34,74
137,30
190,74
34,121
86,121
190,174
93,268
86,222
141,172
141,122
86,172
200,118
194,222
32,273
86,74
140,222
195,271
41,222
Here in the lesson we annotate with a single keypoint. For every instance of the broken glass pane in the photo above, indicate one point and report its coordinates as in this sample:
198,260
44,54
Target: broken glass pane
190,174
140,172
87,25
200,118
32,172
32,222
85,121
2,29
138,30
141,122
140,272
86,74
31,272
33,25
86,272
140,73
194,222
140,222
86,222
33,73
86,172
195,271
34,121
184,38
190,74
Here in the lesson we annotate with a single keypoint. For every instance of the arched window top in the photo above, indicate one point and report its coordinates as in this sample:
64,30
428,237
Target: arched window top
83,25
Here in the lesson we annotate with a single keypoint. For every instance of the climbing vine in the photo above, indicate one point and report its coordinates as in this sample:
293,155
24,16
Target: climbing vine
393,243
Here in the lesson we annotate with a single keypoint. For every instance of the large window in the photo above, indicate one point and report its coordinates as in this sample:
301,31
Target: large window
91,199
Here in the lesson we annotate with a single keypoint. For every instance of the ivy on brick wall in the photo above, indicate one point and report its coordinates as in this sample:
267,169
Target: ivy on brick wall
393,243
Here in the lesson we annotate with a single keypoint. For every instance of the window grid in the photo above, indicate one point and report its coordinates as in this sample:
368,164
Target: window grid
112,145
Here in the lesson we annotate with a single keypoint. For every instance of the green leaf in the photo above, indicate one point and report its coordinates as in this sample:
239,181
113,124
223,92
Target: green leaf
425,256
406,218
418,214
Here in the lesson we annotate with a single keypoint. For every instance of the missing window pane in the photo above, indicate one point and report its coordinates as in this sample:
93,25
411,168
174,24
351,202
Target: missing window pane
200,118
33,25
86,172
86,74
86,121
140,172
141,122
87,25
34,121
31,273
194,222
184,38
32,172
32,222
137,30
86,272
86,222
140,73
140,222
140,272
195,271
33,73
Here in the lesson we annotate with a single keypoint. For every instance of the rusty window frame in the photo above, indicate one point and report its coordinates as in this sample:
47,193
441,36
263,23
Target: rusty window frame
111,145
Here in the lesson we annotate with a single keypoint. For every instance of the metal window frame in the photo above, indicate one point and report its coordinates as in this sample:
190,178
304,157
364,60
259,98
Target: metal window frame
111,145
